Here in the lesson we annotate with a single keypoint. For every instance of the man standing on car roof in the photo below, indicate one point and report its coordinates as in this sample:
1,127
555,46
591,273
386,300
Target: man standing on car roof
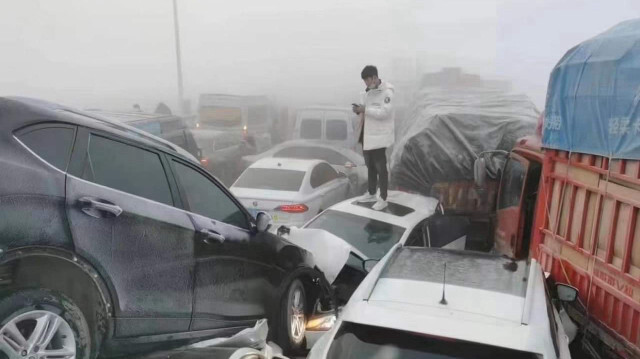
377,132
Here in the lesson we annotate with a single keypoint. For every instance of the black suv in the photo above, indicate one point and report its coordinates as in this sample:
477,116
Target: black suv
113,241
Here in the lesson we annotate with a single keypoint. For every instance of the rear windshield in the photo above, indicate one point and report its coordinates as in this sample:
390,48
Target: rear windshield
219,116
271,179
371,237
311,129
357,341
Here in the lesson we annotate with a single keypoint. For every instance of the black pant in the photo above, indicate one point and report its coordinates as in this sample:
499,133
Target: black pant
376,161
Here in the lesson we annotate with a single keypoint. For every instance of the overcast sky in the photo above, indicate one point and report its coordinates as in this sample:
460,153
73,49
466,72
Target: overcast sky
113,53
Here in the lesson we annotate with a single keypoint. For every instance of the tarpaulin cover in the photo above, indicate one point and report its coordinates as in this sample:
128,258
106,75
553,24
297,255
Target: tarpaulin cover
593,99
448,127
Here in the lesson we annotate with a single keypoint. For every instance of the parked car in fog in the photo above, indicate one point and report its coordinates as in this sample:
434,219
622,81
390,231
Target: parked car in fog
114,241
327,124
342,159
435,303
172,128
292,191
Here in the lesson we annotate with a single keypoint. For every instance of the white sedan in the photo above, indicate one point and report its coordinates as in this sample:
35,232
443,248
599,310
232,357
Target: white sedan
341,159
427,303
292,191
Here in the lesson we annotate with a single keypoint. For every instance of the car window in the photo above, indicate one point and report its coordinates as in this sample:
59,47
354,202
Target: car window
311,129
271,179
336,130
417,238
321,174
52,144
512,181
126,168
313,153
371,237
207,199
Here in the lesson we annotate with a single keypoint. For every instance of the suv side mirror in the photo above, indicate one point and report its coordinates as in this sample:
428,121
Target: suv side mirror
480,171
566,293
263,221
368,264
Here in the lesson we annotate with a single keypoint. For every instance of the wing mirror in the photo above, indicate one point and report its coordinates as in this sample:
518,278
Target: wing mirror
480,171
369,264
263,221
566,293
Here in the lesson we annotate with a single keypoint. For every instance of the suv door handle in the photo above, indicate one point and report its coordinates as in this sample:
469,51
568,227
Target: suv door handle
211,236
94,206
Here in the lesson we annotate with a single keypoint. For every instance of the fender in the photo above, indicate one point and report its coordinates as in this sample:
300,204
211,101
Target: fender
316,276
68,256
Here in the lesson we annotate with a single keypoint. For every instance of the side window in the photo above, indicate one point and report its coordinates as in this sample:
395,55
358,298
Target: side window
336,130
52,144
512,182
207,199
311,129
417,238
126,168
321,174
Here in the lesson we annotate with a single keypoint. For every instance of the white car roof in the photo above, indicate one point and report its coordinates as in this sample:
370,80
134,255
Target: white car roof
489,299
286,164
422,207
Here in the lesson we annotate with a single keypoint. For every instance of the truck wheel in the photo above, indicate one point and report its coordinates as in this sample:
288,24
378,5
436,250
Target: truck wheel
293,319
39,323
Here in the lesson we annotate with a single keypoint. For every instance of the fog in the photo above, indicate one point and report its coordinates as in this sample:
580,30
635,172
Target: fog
112,54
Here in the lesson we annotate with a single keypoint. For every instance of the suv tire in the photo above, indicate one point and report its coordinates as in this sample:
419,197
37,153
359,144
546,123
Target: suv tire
291,326
63,325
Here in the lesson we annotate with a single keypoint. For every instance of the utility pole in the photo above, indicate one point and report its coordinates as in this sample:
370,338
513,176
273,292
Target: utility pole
181,102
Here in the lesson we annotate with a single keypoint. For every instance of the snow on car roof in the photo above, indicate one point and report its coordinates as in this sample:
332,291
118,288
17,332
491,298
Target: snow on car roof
405,290
464,268
422,207
286,164
477,283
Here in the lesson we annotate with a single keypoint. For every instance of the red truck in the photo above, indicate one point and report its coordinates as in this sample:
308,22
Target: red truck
571,198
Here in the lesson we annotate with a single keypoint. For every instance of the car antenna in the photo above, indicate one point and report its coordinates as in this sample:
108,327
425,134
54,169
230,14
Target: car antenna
443,301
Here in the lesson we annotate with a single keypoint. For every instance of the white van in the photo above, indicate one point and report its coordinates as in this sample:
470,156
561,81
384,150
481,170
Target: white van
332,125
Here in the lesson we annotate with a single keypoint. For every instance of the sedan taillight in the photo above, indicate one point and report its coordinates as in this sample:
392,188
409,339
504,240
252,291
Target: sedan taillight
292,208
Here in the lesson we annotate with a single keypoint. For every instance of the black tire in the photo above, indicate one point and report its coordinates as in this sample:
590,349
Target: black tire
25,301
285,339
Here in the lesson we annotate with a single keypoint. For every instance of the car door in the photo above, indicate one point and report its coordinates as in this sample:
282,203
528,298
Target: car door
232,279
120,206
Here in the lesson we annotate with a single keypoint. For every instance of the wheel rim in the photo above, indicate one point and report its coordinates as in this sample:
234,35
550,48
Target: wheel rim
38,334
297,319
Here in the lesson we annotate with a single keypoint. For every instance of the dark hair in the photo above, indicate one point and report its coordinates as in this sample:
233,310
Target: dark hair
369,71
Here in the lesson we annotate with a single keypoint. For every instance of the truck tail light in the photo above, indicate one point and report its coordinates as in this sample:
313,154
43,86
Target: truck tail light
292,208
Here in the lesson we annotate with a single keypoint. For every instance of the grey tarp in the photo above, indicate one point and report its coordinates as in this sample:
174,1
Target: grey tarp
447,128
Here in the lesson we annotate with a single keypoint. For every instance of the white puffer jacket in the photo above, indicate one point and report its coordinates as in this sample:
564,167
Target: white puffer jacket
379,124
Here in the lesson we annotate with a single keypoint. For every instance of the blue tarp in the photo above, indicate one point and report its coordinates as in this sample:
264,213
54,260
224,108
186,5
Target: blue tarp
593,99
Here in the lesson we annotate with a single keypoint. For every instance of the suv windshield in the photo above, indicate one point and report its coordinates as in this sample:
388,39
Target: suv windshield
357,341
371,237
272,179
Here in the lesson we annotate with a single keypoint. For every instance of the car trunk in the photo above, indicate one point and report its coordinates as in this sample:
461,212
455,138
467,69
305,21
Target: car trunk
257,200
